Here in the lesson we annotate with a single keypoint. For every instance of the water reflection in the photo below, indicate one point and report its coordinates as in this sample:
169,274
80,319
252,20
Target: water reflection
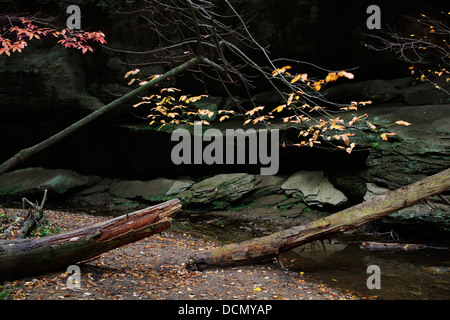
340,262
422,274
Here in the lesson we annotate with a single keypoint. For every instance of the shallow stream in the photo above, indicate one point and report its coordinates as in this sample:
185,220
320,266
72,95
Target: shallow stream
418,274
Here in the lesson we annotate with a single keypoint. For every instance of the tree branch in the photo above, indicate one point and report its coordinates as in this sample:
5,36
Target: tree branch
27,153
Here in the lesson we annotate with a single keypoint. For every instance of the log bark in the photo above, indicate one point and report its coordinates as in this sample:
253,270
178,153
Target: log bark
268,247
36,256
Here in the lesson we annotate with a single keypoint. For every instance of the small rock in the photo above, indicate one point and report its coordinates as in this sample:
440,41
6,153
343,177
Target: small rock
179,186
314,189
220,188
374,190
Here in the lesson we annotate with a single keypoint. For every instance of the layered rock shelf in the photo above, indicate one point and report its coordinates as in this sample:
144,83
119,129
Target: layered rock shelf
288,196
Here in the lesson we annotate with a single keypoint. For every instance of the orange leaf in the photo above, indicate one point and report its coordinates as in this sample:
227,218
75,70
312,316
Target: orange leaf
280,71
403,123
345,139
346,74
332,76
371,126
131,72
384,135
303,77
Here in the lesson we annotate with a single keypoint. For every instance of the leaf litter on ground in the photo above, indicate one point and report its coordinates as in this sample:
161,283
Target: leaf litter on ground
154,268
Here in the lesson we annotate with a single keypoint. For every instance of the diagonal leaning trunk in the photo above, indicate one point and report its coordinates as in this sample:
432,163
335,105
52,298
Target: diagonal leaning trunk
27,153
265,248
36,256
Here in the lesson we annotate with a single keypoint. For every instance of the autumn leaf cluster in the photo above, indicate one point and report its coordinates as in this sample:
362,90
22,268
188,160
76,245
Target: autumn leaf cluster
169,106
13,38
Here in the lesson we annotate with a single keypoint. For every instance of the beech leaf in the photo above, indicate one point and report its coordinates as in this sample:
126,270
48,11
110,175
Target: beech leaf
403,123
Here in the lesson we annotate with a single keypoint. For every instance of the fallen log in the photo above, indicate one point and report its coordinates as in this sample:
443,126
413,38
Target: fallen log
25,225
35,215
369,245
269,247
23,257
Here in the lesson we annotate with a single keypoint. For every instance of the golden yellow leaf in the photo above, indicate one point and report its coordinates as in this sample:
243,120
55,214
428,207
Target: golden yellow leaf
363,103
350,149
279,108
337,126
291,97
316,108
332,76
280,71
258,119
251,112
142,102
226,111
384,135
205,112
154,77
303,77
131,72
296,78
169,90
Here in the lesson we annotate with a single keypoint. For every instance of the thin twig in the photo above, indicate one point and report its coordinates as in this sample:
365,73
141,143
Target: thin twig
444,199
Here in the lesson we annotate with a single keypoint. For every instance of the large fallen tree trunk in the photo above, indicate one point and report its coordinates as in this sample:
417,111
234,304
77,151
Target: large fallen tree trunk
35,256
269,247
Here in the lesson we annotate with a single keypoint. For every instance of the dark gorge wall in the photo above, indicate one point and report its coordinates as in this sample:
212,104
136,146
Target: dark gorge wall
47,87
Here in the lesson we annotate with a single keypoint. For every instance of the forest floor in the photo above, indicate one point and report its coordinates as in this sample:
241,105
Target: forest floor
154,268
